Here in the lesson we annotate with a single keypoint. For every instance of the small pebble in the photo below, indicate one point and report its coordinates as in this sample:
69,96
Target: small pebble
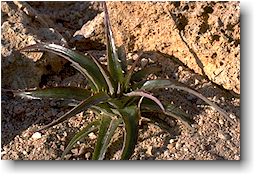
237,157
65,134
166,153
180,68
67,157
196,82
170,146
171,141
201,122
149,150
81,150
224,136
75,151
215,99
178,145
221,121
62,147
144,62
221,136
232,116
87,155
36,135
92,135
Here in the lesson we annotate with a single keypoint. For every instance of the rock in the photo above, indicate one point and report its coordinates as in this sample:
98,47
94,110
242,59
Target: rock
75,151
224,136
81,150
237,157
232,116
171,141
87,155
170,146
91,35
221,121
196,82
204,36
185,149
178,145
92,136
144,62
36,135
23,26
166,153
149,150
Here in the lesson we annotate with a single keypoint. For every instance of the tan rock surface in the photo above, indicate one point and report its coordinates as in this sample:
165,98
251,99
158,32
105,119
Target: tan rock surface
203,35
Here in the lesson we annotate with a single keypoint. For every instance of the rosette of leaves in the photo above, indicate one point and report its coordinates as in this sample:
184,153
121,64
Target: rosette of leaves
117,95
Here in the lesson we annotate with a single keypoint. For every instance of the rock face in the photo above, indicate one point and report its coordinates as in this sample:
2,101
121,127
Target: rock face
22,26
203,35
91,35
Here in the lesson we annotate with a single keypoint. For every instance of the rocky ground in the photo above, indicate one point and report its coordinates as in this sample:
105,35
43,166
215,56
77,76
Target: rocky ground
204,36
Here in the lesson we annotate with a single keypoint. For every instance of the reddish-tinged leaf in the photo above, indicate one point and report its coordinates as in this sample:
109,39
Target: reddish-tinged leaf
142,93
156,84
81,134
114,63
82,63
106,132
83,106
74,93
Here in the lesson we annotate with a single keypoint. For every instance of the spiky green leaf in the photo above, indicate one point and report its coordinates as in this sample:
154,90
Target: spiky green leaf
121,102
106,132
105,122
74,93
105,74
129,74
141,93
104,109
170,110
81,134
114,63
131,118
156,84
82,63
83,106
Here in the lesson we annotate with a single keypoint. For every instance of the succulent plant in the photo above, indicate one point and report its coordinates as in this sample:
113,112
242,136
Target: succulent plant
116,95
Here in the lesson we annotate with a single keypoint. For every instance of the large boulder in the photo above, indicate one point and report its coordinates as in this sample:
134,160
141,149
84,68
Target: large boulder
22,26
203,35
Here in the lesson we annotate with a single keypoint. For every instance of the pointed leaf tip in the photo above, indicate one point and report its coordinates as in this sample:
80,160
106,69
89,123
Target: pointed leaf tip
114,63
82,63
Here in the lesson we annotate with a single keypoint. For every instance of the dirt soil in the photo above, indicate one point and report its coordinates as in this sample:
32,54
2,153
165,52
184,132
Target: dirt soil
196,43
